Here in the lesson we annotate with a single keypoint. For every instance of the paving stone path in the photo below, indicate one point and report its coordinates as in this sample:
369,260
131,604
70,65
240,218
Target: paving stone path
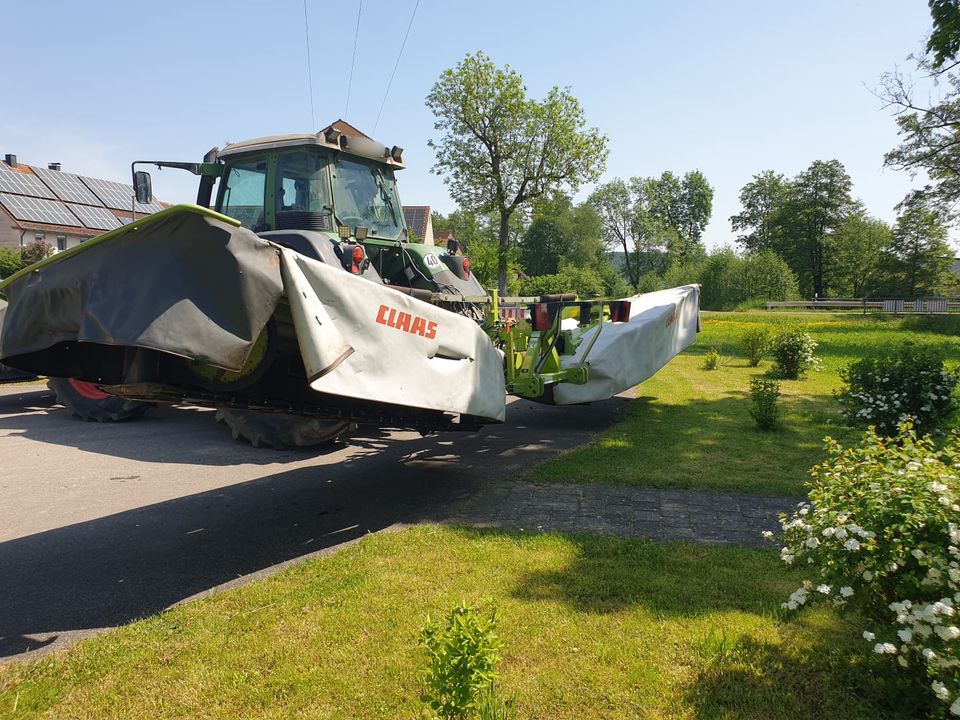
686,515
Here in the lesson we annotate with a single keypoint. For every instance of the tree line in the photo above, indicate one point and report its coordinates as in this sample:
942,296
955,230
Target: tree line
513,163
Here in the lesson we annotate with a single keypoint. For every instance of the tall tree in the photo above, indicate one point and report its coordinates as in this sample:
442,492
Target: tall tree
918,256
683,205
500,150
761,199
858,255
817,204
930,128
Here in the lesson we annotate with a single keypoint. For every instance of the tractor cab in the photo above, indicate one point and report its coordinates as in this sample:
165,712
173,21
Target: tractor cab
331,197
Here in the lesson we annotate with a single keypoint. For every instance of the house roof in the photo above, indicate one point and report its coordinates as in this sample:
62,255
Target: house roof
48,200
444,235
416,217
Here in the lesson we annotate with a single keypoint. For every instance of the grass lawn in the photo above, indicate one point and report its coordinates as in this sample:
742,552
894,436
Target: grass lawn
593,628
690,427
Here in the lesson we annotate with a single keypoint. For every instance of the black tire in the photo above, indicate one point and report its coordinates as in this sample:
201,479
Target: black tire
87,404
280,431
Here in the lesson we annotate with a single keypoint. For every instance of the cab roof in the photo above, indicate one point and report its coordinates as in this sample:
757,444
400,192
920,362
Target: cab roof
330,137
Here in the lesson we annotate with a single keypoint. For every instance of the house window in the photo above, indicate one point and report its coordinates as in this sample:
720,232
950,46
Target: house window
38,237
61,242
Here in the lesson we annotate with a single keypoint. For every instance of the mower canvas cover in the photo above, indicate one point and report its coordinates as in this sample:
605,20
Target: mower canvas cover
662,324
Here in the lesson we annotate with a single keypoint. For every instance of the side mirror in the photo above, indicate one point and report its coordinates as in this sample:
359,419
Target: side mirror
143,187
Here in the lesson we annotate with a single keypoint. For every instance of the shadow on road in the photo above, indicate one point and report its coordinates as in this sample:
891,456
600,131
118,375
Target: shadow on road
114,569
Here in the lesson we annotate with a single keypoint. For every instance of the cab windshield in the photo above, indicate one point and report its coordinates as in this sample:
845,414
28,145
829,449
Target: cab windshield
365,195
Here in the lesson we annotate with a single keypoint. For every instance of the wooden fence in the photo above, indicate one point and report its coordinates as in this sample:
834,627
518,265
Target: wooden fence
920,306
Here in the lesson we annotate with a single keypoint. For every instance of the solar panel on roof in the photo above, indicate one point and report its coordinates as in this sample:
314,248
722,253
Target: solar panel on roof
96,218
38,210
22,184
67,186
117,195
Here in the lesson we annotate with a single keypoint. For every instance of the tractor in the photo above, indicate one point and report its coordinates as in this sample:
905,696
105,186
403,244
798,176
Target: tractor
290,298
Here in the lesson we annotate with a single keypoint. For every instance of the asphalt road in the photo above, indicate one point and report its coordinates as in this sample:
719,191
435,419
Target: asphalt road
101,524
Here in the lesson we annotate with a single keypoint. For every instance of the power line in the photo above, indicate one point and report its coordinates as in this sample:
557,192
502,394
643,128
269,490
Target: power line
399,55
306,27
356,35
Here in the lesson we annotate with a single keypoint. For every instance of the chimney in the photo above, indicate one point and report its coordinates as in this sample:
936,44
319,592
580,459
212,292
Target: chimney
53,166
11,160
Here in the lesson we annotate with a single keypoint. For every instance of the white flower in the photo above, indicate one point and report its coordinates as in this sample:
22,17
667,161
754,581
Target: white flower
825,589
841,533
852,544
885,649
867,575
917,553
869,636
812,542
828,532
905,635
955,708
945,632
767,535
846,591
929,655
940,690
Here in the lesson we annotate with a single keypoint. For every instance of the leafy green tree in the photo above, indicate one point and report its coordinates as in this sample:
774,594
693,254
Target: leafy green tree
858,256
944,40
655,222
585,282
761,199
918,257
500,150
764,275
817,204
683,205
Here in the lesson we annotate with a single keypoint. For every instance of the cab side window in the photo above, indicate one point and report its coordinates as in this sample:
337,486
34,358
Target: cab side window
243,195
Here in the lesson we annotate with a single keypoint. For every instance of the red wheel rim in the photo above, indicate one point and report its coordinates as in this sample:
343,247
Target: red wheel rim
87,390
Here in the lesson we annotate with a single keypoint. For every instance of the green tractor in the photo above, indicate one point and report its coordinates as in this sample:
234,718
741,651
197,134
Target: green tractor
299,309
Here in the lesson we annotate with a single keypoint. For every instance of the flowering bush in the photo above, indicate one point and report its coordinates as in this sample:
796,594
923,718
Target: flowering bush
909,383
764,395
713,359
793,353
881,535
755,343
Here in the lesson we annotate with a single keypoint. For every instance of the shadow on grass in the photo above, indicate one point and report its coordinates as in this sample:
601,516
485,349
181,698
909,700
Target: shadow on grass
612,574
820,668
827,676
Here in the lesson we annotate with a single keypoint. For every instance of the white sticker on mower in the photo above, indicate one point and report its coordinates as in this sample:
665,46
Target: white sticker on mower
363,340
431,260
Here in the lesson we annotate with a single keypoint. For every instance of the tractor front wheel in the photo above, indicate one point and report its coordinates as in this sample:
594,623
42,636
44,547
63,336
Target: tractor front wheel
281,431
88,402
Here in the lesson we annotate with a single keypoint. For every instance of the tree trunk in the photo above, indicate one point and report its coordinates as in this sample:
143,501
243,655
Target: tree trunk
502,253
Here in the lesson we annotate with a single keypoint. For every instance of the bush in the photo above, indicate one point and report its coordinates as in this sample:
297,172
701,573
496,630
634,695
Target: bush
461,656
793,353
909,383
765,275
765,395
35,251
756,344
650,282
880,535
10,262
585,282
713,359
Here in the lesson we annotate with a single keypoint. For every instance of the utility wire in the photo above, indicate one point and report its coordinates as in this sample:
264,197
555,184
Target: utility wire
306,27
356,36
399,55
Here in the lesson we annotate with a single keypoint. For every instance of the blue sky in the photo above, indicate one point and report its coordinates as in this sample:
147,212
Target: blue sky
731,88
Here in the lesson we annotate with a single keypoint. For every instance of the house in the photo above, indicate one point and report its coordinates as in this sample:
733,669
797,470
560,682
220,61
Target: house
417,218
60,208
446,239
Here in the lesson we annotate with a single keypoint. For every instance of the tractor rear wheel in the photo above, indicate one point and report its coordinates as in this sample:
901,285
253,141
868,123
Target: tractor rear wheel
88,402
281,431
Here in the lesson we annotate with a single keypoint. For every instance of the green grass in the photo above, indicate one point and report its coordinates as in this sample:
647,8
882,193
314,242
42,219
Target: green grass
593,628
690,427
